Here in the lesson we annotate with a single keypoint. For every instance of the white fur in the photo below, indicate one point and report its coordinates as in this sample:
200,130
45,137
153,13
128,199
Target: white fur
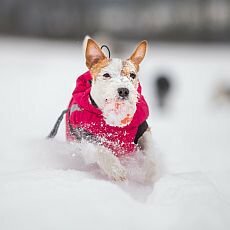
105,93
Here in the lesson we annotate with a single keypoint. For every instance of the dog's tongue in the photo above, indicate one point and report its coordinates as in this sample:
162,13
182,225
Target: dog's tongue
118,113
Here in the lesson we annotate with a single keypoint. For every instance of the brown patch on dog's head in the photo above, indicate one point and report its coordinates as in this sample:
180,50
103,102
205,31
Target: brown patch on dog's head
126,68
96,68
129,70
138,55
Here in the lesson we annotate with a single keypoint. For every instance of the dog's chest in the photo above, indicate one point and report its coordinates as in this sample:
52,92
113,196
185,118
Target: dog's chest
120,140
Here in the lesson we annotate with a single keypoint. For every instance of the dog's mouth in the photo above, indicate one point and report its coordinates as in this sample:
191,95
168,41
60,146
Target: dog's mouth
118,112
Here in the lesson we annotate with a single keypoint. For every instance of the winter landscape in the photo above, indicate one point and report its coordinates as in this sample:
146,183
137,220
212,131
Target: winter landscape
46,184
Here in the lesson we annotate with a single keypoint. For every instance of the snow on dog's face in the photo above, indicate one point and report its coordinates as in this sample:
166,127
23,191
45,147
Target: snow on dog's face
115,83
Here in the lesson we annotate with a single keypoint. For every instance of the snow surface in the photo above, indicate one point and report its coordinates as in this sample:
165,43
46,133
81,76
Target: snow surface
47,185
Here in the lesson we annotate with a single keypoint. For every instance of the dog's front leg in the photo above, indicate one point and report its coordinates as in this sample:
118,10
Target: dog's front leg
146,144
110,164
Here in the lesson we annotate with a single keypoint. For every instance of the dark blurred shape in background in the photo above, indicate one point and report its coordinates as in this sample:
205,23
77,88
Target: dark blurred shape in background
199,20
162,88
221,94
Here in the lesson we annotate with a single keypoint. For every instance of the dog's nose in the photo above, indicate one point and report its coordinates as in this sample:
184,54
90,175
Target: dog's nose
123,92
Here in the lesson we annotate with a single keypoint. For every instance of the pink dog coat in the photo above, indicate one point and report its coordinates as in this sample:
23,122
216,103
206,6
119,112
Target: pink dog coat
85,120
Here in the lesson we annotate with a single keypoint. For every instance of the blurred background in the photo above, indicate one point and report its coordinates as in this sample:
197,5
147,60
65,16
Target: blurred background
177,20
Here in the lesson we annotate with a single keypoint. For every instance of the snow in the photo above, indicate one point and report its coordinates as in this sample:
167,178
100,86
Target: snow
47,185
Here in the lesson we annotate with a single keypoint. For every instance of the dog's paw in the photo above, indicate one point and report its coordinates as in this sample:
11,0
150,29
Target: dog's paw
150,170
111,166
115,171
118,173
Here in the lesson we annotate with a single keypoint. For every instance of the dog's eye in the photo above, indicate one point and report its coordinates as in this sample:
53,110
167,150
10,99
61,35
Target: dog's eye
106,75
133,75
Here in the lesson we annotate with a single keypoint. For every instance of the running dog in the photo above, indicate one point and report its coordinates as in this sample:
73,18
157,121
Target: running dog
108,109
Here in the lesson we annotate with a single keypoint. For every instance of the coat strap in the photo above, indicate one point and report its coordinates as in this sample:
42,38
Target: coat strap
54,131
141,130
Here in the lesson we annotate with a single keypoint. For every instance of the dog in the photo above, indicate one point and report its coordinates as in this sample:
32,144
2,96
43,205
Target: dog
108,109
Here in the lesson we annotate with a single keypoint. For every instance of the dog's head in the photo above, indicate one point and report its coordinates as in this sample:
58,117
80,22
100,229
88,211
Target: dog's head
115,82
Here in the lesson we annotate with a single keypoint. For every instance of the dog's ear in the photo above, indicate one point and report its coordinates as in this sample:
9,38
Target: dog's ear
93,53
139,53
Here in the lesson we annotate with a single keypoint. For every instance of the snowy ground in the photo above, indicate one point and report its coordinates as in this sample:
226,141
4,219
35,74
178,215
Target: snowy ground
45,185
